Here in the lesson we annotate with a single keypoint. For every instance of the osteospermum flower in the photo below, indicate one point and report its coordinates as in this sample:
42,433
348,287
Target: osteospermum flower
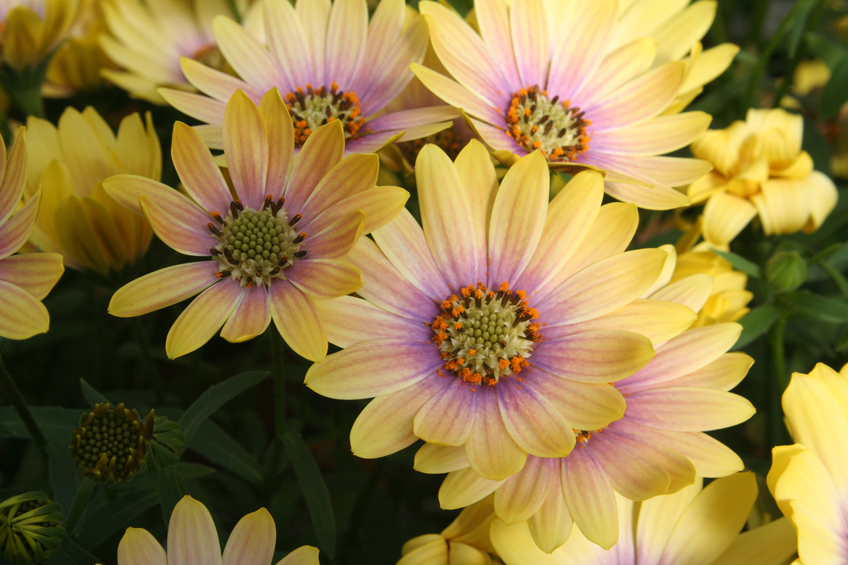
24,279
193,540
329,63
808,479
499,326
526,87
276,243
691,527
68,164
32,29
464,542
656,447
173,29
760,171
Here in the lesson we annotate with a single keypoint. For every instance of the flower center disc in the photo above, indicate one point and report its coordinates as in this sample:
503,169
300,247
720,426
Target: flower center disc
256,245
485,335
314,108
447,140
212,57
555,128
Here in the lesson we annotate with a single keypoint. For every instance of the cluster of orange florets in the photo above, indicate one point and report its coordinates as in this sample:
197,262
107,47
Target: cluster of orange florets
339,105
562,153
453,314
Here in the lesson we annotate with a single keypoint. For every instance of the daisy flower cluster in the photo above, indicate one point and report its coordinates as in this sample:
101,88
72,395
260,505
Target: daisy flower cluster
529,238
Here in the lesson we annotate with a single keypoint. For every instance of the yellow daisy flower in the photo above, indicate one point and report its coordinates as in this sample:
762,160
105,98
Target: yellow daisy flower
330,63
760,171
692,527
193,540
24,279
656,447
276,243
68,164
498,327
172,29
564,91
32,29
464,542
809,480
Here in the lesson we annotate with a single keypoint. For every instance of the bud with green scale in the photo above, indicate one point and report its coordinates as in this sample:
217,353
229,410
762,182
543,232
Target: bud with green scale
30,528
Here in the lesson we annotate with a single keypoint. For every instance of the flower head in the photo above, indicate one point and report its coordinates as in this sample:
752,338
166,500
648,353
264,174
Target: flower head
656,447
329,63
193,540
32,29
498,327
24,279
275,244
537,79
30,528
172,30
695,525
68,164
760,171
809,480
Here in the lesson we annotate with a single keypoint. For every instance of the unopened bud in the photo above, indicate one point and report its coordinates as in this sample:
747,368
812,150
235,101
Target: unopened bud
166,447
786,271
30,528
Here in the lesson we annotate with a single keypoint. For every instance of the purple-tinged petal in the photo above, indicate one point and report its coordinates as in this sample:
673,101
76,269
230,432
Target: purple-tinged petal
252,540
530,41
350,176
16,230
491,451
600,356
685,409
493,20
321,152
192,537
250,318
523,494
590,497
14,176
352,320
448,417
246,147
169,227
347,32
36,273
219,85
641,477
585,406
533,422
286,39
203,108
248,57
197,169
279,130
415,117
314,16
325,278
459,96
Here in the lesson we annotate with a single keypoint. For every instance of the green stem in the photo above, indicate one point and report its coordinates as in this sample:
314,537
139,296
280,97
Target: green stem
17,400
147,359
234,8
79,504
278,351
757,73
362,500
777,382
757,20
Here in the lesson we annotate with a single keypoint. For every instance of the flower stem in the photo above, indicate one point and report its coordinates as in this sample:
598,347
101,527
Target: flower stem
17,400
147,359
79,504
278,351
777,383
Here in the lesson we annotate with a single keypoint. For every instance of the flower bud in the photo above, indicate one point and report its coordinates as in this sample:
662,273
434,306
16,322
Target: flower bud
110,444
30,528
786,271
167,444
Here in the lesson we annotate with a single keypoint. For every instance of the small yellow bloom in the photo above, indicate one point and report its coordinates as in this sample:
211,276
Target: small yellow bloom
809,480
760,170
32,29
77,218
24,279
193,540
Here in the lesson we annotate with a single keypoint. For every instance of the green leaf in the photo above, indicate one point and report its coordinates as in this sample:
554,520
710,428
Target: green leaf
314,490
218,395
56,424
62,473
219,447
835,92
826,309
171,491
804,7
92,396
72,553
116,514
739,263
756,323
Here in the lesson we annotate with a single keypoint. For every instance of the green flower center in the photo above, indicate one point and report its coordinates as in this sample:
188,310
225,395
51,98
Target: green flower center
109,443
554,127
485,335
256,245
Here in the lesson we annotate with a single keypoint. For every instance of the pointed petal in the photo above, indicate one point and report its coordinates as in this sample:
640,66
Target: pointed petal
551,526
656,137
252,540
522,495
323,149
725,215
331,236
600,356
248,57
458,96
280,133
463,488
138,547
197,169
590,497
36,273
530,40
351,176
437,459
352,320
21,315
448,416
169,227
303,555
491,451
163,288
192,537
246,147
642,477
688,409
617,68
250,317
296,318
325,278
202,318
585,406
710,457
16,230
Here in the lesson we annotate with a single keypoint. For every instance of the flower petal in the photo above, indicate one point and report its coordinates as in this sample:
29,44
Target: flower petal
725,215
138,547
286,39
686,409
248,57
252,541
656,137
36,273
437,459
530,40
280,133
303,555
464,487
617,68
477,175
385,426
14,175
207,110
373,368
722,374
352,320
351,176
448,416
642,477
334,236
250,317
710,457
347,32
163,288
169,226
590,497
522,495
323,149
599,356
246,147
192,537
551,526
458,96
21,315
491,451
16,230
202,318
296,318
585,406
493,21
325,278
691,292
314,17
197,169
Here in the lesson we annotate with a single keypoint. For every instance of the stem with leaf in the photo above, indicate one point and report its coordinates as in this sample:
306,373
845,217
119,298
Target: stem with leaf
16,398
776,382
79,504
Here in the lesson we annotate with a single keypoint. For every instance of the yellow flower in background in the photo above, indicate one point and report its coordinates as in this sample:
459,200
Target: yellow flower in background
531,81
694,526
276,244
69,163
77,63
172,29
464,542
32,29
24,279
809,480
193,540
760,171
